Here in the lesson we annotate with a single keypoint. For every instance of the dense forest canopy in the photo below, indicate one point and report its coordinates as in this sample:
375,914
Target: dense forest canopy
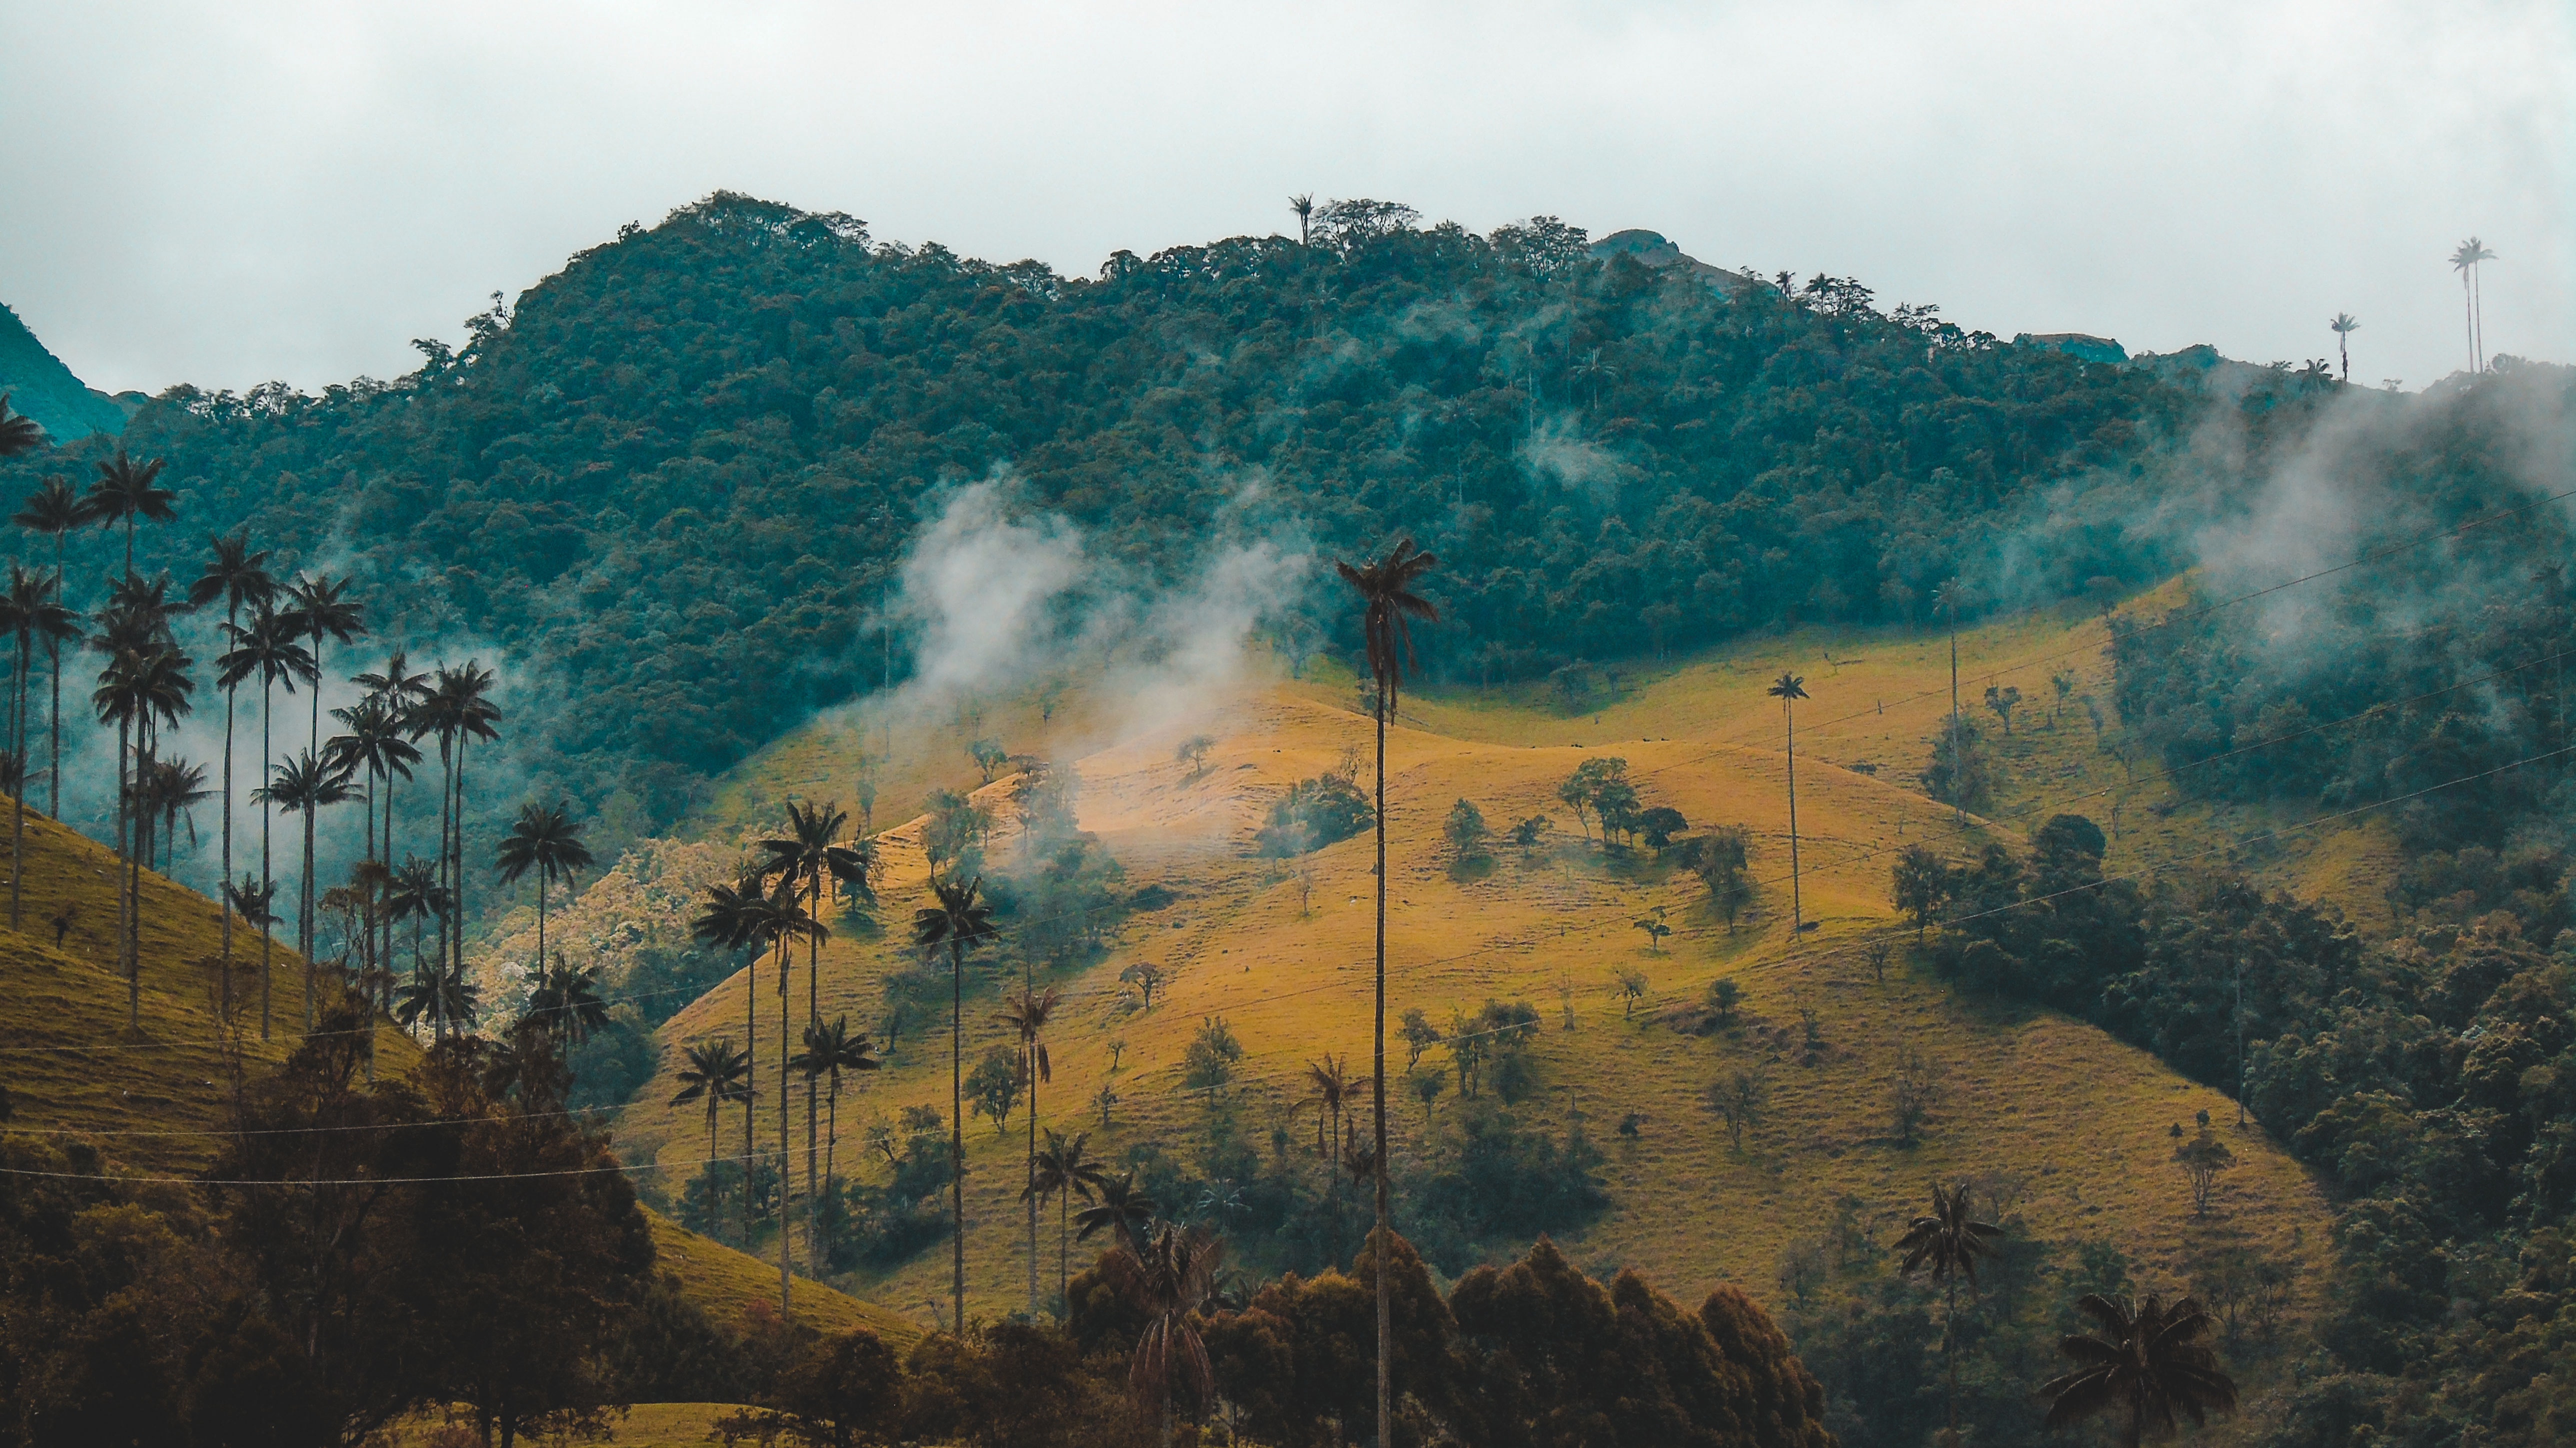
672,484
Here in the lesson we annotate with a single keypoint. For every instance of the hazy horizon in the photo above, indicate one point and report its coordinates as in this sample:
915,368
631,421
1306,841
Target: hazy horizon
2222,174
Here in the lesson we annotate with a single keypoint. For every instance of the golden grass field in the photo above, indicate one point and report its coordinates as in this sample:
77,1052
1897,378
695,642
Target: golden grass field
155,1103
2072,1122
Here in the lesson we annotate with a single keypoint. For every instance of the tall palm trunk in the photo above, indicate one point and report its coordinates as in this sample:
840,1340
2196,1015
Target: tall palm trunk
129,834
814,1018
1029,1198
1950,1351
268,914
54,656
18,791
786,1162
2469,318
957,1125
831,1151
1797,910
1958,766
305,909
1385,1309
223,904
750,1081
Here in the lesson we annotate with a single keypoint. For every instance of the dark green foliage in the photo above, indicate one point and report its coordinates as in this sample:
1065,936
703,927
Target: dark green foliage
1312,814
1500,1178
692,456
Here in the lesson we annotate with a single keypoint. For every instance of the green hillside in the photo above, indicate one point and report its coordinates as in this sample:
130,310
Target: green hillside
42,388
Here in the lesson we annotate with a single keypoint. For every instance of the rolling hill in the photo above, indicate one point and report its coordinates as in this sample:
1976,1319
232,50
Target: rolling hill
2055,1114
157,1102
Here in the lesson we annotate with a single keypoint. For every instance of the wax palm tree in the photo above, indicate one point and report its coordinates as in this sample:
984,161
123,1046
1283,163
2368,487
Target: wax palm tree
960,921
238,576
270,649
1333,1091
1947,600
144,688
1945,1244
322,606
1596,371
53,511
1028,1015
18,433
251,901
831,1051
177,787
2465,262
306,784
401,692
1168,1278
1789,689
1064,1169
754,916
32,607
1387,605
1123,1211
566,1003
2344,326
125,490
458,709
1304,205
546,839
718,1075
413,893
375,748
812,852
2149,1360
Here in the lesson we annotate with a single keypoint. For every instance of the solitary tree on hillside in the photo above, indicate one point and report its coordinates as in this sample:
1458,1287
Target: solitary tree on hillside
1946,1243
1789,689
1387,604
53,511
2465,262
831,1051
1303,204
1064,1170
2344,326
1947,600
237,576
2149,1361
959,921
126,490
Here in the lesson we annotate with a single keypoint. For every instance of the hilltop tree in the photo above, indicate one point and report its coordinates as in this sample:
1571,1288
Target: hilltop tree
960,921
1945,1244
1387,604
1303,204
2465,261
2343,327
2202,1158
2149,1361
1789,689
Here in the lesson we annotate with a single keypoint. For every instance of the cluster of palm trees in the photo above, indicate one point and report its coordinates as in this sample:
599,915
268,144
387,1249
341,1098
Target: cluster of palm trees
275,631
778,901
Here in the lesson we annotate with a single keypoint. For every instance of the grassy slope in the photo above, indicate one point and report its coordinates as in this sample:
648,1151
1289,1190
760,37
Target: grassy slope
152,1102
2077,1120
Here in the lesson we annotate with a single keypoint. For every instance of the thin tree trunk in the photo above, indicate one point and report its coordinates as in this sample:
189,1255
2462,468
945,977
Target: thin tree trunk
1797,910
1958,765
1385,1311
268,916
786,1161
831,1153
750,1081
813,1019
305,909
957,1123
54,652
1029,1198
18,791
223,896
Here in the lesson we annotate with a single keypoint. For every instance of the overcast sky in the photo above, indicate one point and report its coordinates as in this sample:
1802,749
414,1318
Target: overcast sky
228,194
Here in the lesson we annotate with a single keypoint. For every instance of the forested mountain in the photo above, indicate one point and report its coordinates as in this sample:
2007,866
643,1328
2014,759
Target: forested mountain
671,483
40,387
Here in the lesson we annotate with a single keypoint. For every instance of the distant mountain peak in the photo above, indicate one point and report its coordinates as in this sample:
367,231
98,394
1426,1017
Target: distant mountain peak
42,388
